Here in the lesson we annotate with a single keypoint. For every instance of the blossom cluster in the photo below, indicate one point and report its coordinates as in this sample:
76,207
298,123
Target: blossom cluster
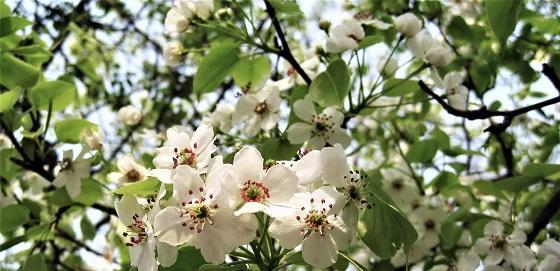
306,199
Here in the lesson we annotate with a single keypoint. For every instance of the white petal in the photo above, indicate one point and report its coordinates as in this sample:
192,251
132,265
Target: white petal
74,187
319,251
517,237
281,182
335,165
248,164
340,136
493,228
177,138
287,230
186,179
168,227
250,208
309,168
495,256
550,247
167,254
304,109
127,207
315,143
162,174
336,117
299,132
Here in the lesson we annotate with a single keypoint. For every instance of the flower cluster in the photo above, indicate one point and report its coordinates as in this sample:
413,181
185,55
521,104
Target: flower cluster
306,201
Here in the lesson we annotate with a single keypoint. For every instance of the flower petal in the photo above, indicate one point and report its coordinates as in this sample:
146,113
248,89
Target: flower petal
319,251
287,230
304,109
309,168
335,165
299,132
281,182
248,164
168,227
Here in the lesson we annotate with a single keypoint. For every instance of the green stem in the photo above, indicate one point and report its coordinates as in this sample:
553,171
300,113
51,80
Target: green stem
353,262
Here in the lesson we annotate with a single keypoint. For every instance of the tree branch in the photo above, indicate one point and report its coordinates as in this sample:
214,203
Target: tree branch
484,113
542,219
285,51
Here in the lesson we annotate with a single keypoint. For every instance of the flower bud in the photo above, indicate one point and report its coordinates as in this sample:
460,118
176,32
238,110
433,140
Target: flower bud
129,115
172,53
438,56
388,69
408,24
92,138
325,25
224,13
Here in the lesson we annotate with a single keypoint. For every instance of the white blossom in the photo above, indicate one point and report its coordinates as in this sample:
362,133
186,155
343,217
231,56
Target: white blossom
400,187
310,67
71,173
129,171
260,189
439,55
258,111
345,36
427,221
498,247
317,129
183,149
203,217
129,115
408,24
314,224
387,67
221,117
141,242
92,138
550,251
172,53
456,92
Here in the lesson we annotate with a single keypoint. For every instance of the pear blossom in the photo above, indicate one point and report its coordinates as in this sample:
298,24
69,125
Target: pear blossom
183,149
420,44
377,24
345,36
71,173
416,252
259,189
550,251
172,53
408,24
387,66
316,225
438,55
129,115
309,66
317,129
427,221
466,261
141,242
221,117
92,138
179,17
259,111
5,141
129,171
203,216
400,187
456,92
497,247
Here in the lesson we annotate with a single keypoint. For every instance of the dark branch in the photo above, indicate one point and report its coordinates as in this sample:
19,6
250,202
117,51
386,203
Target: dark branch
542,219
285,52
484,113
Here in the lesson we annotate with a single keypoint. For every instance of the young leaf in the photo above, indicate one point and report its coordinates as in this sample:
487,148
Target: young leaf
61,93
399,87
8,99
422,151
13,216
386,227
69,130
251,72
15,72
215,66
331,86
146,187
502,18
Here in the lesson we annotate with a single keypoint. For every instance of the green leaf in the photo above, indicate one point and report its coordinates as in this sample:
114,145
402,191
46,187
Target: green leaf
69,130
370,40
13,216
386,227
502,18
399,87
459,30
188,259
146,187
422,151
542,170
91,192
9,25
35,262
215,66
450,234
286,8
8,169
277,149
515,184
14,72
486,187
250,72
88,230
60,92
331,86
